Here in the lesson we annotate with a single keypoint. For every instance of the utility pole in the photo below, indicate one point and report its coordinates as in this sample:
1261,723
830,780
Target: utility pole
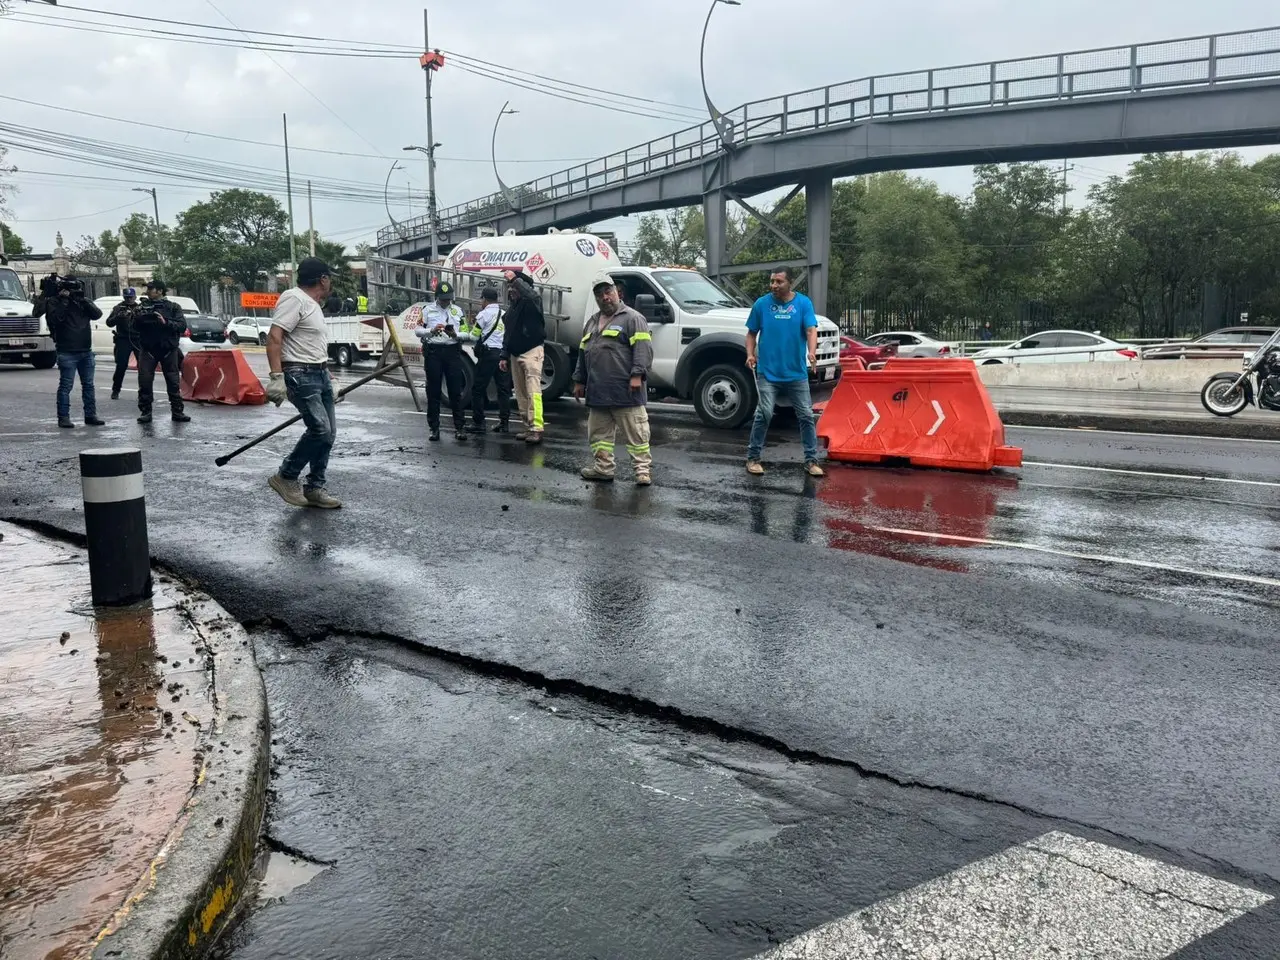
155,206
3,256
288,186
1065,189
428,69
311,221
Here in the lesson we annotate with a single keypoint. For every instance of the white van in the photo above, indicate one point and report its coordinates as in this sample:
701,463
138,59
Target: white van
104,336
23,338
699,329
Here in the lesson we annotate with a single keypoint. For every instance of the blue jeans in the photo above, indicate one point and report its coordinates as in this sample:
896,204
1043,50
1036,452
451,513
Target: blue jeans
69,364
796,391
311,392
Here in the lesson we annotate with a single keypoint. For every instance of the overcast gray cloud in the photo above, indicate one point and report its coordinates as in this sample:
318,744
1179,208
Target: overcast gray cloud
646,48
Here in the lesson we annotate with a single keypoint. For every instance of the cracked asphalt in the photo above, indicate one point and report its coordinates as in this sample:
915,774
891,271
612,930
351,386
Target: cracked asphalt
702,719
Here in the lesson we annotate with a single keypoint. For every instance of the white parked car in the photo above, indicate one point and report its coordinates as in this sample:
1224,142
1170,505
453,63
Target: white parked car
1058,346
912,343
249,330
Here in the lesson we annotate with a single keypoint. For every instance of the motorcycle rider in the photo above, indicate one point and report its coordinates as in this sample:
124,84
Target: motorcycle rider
122,318
158,328
69,316
443,323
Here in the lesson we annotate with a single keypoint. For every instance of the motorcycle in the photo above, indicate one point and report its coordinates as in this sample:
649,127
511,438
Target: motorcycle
1226,394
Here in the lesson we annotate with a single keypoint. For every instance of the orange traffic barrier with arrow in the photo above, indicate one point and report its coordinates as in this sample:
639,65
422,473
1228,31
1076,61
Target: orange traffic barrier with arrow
220,376
928,413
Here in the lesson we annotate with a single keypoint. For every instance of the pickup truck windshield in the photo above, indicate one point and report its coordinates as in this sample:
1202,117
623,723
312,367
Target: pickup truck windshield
692,290
11,286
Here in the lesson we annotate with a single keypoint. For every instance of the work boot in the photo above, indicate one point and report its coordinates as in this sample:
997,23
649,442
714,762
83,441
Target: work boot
479,428
460,435
290,490
180,418
755,468
435,434
115,394
320,499
94,422
595,473
65,423
145,418
813,470
504,426
643,480
533,437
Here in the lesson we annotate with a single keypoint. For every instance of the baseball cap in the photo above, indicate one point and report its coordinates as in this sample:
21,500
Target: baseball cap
129,292
489,295
157,284
444,291
601,280
311,270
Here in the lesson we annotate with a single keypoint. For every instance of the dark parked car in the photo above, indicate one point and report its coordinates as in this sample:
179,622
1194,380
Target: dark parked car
1229,343
204,333
867,353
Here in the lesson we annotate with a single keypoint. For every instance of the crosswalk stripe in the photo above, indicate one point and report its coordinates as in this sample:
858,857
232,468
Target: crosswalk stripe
1055,896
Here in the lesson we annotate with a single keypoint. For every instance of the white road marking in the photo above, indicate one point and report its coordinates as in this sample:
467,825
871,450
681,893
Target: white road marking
875,415
1136,433
941,418
1096,558
1055,896
1150,473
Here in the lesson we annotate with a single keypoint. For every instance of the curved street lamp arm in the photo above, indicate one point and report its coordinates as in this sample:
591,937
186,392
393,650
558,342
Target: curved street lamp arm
507,192
386,202
723,125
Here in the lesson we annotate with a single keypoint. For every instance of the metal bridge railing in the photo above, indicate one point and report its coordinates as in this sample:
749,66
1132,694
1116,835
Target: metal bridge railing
1149,67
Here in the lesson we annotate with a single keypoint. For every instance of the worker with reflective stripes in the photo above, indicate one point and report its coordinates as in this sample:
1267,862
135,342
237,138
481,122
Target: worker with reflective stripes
612,373
362,304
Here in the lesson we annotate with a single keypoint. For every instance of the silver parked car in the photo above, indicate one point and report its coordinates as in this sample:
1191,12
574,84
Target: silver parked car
1058,346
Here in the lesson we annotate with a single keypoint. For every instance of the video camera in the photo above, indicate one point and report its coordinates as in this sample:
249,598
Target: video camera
53,285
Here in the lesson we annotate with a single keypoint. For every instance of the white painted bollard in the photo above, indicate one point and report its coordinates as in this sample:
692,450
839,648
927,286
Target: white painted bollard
115,523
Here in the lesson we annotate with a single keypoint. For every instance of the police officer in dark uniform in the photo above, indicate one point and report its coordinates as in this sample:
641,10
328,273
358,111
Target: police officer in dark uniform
157,330
122,319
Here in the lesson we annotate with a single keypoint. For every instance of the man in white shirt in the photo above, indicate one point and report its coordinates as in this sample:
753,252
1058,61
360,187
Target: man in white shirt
487,332
298,354
443,326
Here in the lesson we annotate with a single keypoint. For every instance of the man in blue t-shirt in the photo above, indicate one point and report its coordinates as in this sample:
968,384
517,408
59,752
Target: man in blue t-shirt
782,345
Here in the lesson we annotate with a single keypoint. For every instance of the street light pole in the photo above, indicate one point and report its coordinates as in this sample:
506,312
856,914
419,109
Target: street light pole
288,186
493,153
723,125
155,205
431,143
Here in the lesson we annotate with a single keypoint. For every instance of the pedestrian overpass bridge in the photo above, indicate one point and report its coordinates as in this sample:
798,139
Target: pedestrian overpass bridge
1210,92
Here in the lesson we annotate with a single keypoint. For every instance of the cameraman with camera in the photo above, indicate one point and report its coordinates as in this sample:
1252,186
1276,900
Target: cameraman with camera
157,330
69,316
122,318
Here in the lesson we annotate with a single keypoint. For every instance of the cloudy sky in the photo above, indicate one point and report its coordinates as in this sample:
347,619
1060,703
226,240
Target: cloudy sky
118,63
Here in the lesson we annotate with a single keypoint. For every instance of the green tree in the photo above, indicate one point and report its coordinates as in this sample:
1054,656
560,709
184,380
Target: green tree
236,235
88,252
140,234
14,245
672,237
908,242
1010,225
336,256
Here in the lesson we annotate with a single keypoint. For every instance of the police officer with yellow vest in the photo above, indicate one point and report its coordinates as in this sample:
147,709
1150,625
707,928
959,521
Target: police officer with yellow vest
486,334
612,373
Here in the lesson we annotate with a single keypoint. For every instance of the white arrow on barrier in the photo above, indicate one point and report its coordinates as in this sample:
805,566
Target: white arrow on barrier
875,414
941,418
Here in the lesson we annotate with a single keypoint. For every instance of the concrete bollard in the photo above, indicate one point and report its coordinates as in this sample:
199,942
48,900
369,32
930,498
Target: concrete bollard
115,522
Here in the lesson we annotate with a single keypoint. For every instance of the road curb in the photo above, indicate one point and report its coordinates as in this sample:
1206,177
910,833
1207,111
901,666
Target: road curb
193,886
1178,426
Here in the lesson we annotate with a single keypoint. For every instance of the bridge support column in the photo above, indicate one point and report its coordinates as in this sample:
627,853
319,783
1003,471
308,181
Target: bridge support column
715,218
818,203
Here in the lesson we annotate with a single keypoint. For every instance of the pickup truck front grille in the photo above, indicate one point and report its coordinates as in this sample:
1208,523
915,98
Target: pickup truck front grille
19,326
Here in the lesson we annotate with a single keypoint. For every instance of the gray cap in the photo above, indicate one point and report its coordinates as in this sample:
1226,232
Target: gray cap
602,279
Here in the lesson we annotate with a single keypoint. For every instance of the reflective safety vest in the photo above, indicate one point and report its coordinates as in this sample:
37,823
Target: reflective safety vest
362,304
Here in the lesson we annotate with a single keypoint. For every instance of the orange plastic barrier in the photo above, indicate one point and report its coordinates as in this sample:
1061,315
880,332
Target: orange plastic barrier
220,376
929,413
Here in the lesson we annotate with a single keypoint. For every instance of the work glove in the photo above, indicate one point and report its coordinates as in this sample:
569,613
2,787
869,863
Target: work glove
277,392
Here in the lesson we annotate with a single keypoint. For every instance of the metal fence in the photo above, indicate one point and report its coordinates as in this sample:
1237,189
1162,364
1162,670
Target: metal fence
1149,67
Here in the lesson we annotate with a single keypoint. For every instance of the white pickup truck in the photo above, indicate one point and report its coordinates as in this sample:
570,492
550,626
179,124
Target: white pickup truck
699,329
23,338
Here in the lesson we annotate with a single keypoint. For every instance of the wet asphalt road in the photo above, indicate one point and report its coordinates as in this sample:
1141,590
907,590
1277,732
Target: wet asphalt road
864,682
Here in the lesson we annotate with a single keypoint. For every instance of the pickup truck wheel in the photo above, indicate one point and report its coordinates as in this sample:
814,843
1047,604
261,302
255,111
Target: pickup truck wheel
724,396
44,361
234,338
345,356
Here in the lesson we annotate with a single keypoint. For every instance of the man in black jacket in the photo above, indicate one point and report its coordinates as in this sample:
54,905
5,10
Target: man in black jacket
159,327
63,305
522,351
122,319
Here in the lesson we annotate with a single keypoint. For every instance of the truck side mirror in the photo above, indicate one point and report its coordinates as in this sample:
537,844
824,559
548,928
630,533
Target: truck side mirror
647,306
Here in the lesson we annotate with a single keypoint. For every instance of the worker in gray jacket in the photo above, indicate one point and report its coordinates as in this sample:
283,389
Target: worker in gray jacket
612,376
